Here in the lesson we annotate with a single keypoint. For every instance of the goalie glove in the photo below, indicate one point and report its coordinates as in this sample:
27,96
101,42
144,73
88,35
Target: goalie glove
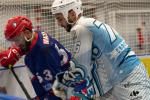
75,80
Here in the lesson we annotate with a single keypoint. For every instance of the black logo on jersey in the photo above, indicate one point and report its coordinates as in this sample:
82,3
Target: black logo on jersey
74,35
77,46
135,95
129,84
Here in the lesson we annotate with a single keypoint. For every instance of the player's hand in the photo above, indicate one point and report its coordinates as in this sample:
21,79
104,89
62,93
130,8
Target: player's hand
63,86
61,90
74,76
10,56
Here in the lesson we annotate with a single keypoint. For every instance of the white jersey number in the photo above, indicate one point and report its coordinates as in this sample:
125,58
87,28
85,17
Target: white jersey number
63,53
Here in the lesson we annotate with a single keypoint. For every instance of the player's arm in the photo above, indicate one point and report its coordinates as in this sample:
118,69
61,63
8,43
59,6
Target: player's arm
42,84
39,90
73,83
65,55
76,77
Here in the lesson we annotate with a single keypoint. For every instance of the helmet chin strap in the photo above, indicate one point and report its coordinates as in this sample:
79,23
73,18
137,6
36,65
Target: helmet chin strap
65,14
29,40
66,17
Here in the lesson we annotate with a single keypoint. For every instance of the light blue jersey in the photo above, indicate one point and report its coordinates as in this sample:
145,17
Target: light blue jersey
104,52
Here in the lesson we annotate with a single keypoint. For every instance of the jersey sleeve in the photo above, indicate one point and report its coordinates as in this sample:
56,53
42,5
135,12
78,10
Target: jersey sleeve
82,45
64,54
41,93
35,80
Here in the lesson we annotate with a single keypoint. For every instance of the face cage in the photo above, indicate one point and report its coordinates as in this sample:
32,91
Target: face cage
18,40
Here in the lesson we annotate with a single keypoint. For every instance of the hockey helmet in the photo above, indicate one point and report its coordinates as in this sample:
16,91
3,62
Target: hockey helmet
63,6
16,25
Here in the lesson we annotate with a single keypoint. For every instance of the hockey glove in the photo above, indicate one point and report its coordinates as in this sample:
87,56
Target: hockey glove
10,57
61,90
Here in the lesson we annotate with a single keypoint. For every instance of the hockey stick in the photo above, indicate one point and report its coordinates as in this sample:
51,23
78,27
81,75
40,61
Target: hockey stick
14,67
19,82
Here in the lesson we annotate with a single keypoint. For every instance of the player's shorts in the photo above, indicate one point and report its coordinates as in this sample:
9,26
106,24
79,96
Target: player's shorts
135,87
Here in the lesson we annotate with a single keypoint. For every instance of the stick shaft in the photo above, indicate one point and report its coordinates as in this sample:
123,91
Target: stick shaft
20,83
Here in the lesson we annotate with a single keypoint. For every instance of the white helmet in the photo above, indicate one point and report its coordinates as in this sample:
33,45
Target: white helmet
63,6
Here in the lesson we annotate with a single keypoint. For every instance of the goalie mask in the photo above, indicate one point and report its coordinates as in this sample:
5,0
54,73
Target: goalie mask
64,6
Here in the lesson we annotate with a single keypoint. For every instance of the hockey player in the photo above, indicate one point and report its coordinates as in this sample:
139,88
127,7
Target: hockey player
117,71
45,57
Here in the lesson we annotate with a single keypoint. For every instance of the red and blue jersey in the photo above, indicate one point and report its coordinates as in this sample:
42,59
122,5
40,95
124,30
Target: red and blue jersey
47,57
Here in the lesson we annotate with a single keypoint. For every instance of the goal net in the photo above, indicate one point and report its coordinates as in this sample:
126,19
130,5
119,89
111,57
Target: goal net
131,18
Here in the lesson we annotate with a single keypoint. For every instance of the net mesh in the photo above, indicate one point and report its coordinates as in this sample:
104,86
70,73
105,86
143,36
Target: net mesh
131,18
127,17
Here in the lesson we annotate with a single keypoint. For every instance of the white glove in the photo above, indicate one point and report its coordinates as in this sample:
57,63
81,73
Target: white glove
73,76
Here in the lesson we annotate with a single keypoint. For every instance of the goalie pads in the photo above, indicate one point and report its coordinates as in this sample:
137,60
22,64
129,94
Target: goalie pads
75,81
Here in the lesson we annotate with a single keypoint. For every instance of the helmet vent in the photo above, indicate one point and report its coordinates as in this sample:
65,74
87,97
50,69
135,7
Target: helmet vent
14,24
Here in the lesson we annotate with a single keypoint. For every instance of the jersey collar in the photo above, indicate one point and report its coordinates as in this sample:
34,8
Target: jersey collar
34,41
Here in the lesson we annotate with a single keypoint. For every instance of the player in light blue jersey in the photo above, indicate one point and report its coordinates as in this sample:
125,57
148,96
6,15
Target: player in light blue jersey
117,71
